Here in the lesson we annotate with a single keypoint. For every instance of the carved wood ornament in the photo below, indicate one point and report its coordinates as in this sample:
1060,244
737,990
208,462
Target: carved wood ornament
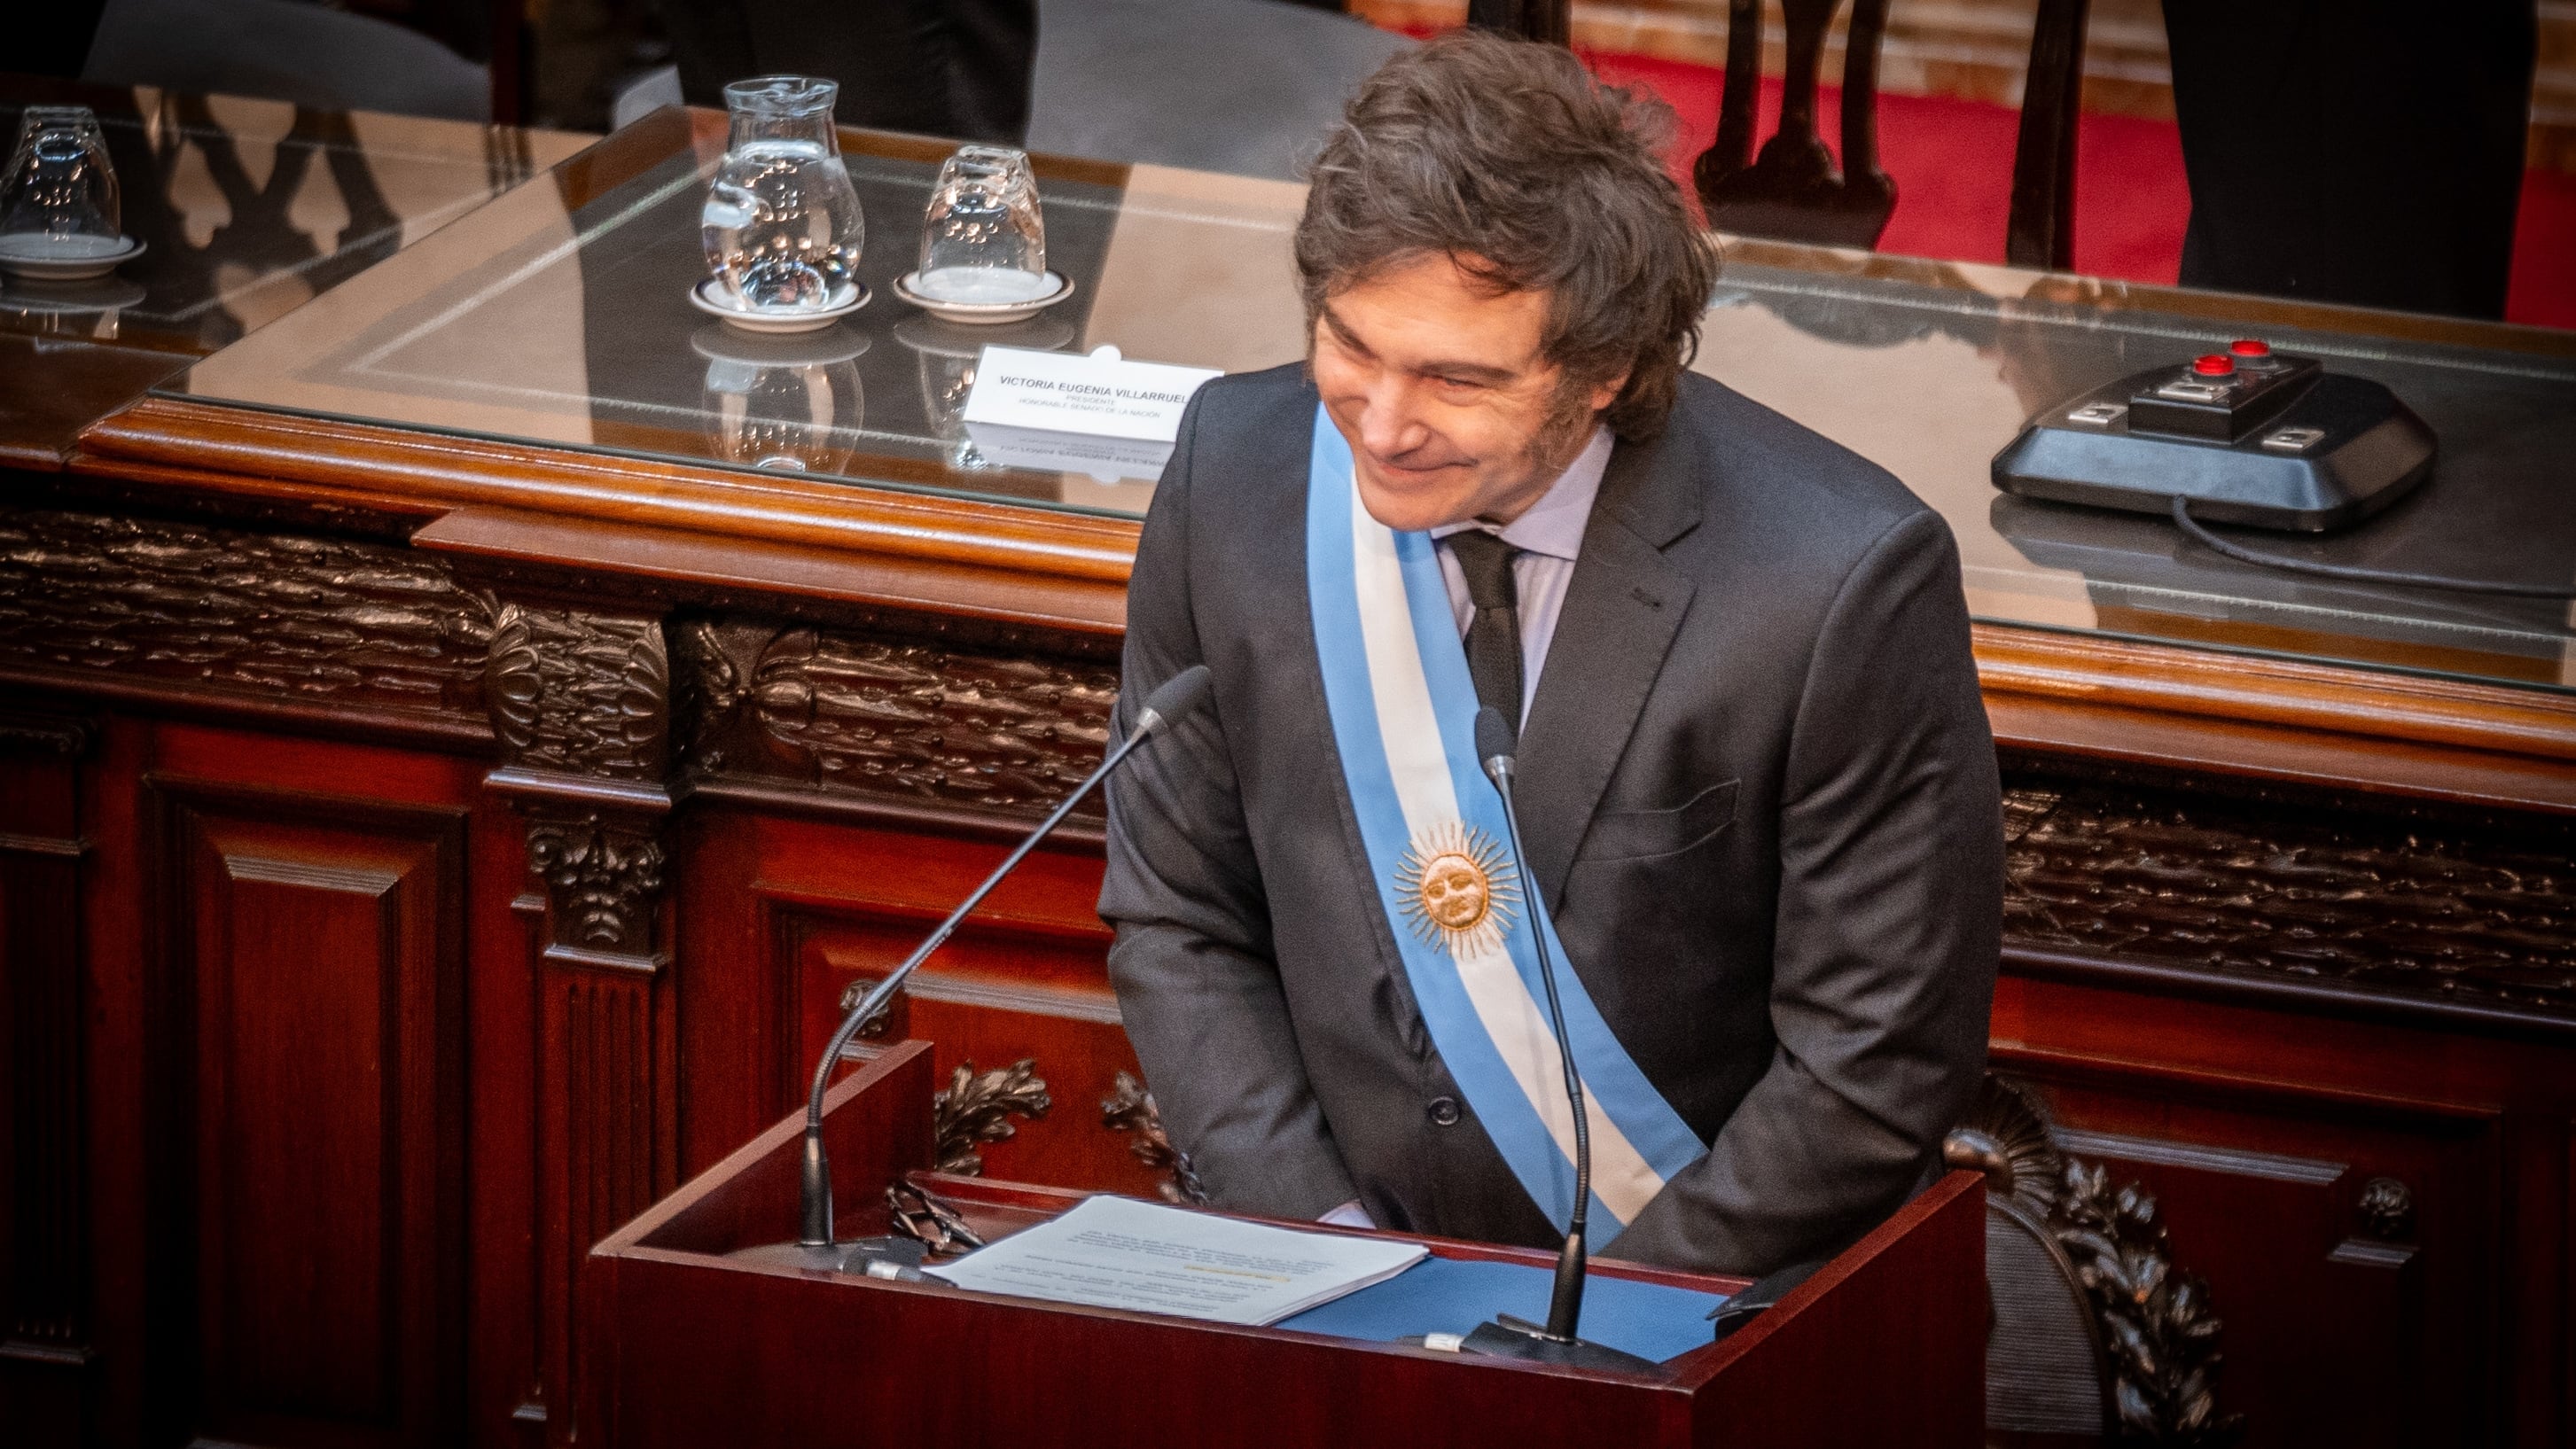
977,1109
304,619
1130,1109
2156,1330
603,880
910,721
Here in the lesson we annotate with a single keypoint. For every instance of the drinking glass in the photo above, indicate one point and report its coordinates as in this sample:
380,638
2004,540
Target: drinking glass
983,239
59,201
781,223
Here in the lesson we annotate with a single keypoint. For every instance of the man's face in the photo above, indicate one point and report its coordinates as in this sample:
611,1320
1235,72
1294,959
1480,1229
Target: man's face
1437,382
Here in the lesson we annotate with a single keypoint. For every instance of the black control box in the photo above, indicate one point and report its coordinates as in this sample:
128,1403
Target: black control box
2249,435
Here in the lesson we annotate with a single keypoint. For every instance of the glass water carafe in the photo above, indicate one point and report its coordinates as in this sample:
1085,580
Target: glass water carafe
781,223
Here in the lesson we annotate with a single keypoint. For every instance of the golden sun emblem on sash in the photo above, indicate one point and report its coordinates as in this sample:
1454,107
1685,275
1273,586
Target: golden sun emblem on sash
1457,890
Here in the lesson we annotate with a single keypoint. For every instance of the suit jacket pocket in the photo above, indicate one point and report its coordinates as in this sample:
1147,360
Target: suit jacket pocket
1642,834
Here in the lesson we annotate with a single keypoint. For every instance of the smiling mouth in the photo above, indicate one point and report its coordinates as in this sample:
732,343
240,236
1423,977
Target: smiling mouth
1414,470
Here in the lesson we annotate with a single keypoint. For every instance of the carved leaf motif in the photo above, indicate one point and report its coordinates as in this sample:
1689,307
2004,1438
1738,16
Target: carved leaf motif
2192,881
911,720
2155,1321
271,614
580,693
1130,1109
977,1109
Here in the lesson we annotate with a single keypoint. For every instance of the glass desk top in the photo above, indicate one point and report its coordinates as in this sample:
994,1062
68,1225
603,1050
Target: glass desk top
558,314
250,208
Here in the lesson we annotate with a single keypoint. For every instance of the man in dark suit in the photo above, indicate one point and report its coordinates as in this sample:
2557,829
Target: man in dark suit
1758,791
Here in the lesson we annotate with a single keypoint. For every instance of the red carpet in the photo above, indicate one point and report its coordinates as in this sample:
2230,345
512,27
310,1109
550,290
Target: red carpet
1952,161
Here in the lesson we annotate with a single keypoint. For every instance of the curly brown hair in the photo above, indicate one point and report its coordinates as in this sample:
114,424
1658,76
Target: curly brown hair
1510,158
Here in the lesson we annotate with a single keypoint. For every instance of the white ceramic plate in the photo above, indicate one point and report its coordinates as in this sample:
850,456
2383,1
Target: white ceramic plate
27,256
707,299
983,314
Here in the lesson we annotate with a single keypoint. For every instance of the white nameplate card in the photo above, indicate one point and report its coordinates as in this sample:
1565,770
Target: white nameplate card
1100,396
1118,1252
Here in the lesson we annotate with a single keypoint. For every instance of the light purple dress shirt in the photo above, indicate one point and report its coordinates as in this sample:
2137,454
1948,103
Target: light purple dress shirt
1548,536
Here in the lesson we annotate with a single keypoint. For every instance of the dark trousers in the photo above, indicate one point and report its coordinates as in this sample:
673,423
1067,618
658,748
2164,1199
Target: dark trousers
2362,151
952,68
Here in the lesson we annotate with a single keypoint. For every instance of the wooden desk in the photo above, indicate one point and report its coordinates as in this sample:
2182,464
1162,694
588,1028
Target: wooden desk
477,786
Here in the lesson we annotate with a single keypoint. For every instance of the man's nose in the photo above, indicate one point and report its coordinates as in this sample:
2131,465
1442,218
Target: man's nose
1389,424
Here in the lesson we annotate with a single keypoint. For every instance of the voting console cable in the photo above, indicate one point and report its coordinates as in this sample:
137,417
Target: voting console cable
2199,533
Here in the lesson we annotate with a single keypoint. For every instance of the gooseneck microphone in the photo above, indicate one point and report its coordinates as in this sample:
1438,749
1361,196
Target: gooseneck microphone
1178,696
1508,1336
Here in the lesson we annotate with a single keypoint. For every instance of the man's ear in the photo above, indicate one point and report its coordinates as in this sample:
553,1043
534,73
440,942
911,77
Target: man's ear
1608,392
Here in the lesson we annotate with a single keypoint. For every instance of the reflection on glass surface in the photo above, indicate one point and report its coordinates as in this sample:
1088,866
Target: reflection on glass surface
560,313
793,403
251,207
948,354
556,314
1931,380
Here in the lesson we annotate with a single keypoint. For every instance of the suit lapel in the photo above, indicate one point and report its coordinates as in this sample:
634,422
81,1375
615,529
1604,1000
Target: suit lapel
1622,608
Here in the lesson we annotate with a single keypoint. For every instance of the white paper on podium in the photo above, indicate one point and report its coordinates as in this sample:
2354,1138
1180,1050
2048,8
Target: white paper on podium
1118,1252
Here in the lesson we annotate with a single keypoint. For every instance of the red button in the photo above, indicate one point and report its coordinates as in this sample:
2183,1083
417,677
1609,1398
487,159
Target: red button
2248,347
2216,364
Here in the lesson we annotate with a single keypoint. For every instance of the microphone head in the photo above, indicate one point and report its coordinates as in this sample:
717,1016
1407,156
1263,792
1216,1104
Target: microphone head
1493,735
1178,695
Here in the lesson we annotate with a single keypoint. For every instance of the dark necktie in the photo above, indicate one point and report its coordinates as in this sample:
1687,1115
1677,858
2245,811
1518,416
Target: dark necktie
1494,632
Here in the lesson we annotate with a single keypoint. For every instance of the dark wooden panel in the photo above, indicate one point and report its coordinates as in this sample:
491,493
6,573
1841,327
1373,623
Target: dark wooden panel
978,1009
44,1203
2350,1245
603,1151
312,993
777,917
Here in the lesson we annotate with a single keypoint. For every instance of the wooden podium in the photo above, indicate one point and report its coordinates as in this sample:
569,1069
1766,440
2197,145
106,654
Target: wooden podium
685,1346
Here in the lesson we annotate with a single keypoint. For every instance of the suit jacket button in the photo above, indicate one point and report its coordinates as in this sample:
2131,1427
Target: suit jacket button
1444,1111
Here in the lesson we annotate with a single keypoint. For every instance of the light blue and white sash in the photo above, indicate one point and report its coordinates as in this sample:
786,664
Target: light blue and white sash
1404,712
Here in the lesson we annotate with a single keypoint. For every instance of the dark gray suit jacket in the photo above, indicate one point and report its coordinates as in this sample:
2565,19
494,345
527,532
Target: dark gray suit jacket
1756,783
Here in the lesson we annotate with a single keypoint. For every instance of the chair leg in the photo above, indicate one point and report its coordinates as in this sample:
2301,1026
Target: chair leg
2040,231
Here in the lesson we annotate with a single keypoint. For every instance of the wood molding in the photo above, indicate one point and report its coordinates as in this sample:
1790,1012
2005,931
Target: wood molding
315,621
238,449
660,523
2254,689
2279,719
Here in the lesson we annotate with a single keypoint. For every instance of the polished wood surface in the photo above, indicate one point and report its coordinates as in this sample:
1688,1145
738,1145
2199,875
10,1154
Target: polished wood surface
690,1346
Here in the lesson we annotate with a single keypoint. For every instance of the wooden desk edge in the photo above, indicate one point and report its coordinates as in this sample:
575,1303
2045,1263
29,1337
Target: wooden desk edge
2170,706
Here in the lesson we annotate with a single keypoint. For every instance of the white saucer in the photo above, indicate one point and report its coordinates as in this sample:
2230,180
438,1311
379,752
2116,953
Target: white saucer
71,299
820,347
704,297
983,314
40,264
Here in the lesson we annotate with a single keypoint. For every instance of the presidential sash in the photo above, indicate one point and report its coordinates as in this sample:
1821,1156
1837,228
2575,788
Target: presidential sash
1404,712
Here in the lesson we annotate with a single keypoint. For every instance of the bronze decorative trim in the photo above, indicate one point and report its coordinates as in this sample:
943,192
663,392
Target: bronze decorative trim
580,693
892,718
281,616
977,1108
1129,1109
2156,1330
603,881
2442,910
